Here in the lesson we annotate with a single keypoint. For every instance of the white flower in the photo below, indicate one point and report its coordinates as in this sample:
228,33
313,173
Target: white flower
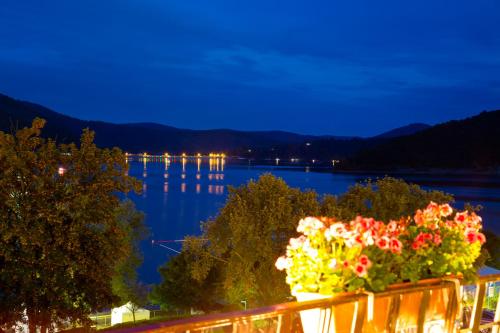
282,263
309,224
368,238
335,230
296,243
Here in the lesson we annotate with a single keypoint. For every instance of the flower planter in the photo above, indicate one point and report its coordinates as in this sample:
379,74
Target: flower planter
403,306
366,254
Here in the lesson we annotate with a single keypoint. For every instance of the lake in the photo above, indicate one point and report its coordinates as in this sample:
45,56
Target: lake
178,196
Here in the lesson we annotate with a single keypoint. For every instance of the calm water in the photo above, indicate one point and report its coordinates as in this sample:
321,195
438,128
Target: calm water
177,197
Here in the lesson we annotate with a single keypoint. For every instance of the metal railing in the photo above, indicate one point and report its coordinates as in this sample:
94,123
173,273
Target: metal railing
434,305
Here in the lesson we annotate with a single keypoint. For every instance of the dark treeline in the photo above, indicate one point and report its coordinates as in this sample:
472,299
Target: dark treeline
472,143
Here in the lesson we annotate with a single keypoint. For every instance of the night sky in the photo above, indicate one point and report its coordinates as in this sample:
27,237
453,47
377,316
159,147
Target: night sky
321,67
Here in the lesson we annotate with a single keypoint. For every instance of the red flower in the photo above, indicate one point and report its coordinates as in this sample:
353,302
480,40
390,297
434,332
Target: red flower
419,218
471,236
461,217
481,238
437,239
445,210
420,238
360,270
363,260
383,243
345,263
396,245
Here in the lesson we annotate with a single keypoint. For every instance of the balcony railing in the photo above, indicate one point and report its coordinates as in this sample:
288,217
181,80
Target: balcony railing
435,305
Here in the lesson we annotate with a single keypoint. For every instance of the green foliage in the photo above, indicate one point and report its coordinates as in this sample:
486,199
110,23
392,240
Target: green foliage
125,282
179,290
240,245
61,238
385,199
493,247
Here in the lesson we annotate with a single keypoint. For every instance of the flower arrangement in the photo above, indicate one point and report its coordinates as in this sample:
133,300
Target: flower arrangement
442,242
332,256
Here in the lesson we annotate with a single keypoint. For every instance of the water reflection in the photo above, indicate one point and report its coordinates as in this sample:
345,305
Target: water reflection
180,171
216,189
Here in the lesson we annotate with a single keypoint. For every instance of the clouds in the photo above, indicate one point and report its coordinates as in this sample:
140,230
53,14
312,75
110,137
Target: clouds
353,67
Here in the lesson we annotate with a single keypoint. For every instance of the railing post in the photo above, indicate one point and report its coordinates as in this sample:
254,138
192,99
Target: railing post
496,319
422,311
358,316
453,306
392,317
477,310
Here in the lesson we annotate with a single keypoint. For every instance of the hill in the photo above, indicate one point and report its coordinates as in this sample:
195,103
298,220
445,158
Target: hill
138,137
471,143
405,130
157,138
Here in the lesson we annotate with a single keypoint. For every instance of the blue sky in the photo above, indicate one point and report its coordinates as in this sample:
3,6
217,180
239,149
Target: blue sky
320,67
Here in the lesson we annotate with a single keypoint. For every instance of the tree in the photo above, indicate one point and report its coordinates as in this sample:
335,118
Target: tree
61,239
492,245
242,243
385,199
125,282
179,290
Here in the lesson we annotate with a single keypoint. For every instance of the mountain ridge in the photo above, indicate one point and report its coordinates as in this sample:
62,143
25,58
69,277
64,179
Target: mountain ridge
153,137
469,143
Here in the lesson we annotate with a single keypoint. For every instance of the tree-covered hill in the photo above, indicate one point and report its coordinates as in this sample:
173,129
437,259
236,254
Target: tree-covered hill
138,137
157,138
470,143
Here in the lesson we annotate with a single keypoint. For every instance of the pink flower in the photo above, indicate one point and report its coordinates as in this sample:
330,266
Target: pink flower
445,210
282,263
433,208
476,218
481,238
471,236
360,270
461,217
419,218
416,245
437,239
392,226
383,242
359,240
363,260
396,245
